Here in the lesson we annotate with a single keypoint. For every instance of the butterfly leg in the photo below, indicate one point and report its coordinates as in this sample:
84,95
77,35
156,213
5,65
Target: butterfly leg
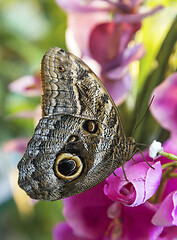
137,149
124,173
134,160
145,158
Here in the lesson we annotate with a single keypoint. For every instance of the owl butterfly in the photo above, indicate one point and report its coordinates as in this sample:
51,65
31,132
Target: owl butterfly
79,140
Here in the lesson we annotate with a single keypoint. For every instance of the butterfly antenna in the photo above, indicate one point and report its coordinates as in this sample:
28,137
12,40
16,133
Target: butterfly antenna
142,144
136,120
143,115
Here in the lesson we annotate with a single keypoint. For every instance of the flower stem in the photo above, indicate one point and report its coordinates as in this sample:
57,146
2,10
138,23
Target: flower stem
168,155
168,173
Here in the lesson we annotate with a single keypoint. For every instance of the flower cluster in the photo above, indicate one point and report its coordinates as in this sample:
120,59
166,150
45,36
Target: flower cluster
132,213
117,209
102,39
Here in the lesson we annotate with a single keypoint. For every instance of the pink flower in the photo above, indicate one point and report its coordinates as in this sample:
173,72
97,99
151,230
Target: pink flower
167,212
91,33
92,215
137,223
143,183
63,231
150,221
125,223
27,85
86,213
109,47
164,107
122,6
16,145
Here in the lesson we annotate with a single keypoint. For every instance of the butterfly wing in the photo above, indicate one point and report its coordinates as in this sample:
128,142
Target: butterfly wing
73,146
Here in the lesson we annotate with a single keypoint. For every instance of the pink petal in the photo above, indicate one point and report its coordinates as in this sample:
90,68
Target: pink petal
143,182
153,179
167,212
129,55
83,5
79,29
134,53
118,89
27,85
168,233
170,147
128,6
136,17
164,106
86,213
16,145
63,231
137,223
109,40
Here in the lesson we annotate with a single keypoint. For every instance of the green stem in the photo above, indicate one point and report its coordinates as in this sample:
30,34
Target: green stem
154,79
168,155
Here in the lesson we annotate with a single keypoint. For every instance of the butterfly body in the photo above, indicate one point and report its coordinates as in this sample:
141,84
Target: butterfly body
79,141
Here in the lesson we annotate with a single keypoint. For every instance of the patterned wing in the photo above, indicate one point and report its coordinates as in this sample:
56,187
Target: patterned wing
73,147
71,87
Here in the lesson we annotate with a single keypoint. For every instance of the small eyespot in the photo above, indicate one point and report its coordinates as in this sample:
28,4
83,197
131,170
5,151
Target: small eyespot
68,166
90,126
61,68
73,138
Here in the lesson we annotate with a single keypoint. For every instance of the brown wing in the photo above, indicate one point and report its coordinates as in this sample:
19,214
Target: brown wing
73,147
71,87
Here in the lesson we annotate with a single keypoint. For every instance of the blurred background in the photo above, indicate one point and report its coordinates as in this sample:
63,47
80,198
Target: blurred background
29,28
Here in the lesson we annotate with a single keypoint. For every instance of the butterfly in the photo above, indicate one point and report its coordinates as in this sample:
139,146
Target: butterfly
80,140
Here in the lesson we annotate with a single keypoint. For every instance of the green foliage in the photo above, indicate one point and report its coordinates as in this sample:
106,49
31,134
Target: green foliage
28,29
35,226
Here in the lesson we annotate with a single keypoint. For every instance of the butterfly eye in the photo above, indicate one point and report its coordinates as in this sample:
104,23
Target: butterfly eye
68,166
90,126
61,68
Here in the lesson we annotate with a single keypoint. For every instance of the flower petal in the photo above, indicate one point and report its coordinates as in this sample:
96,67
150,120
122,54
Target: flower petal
137,223
153,179
167,212
86,213
27,85
63,231
164,106
109,40
143,182
136,17
83,5
16,145
77,40
118,89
